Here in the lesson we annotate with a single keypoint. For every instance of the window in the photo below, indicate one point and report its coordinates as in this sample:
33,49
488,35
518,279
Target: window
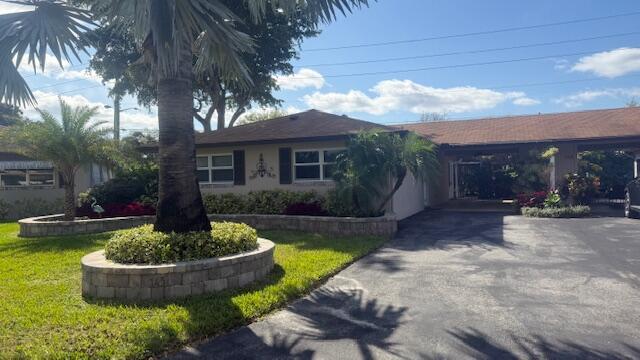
26,177
315,164
215,168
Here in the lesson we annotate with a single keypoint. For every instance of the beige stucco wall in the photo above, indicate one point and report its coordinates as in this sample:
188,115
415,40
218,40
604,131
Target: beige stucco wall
270,155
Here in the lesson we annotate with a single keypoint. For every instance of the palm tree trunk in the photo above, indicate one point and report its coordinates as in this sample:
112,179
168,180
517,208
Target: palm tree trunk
69,198
396,187
180,208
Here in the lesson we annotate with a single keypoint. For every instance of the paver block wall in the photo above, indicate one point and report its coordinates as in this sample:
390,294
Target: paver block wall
385,226
376,226
104,279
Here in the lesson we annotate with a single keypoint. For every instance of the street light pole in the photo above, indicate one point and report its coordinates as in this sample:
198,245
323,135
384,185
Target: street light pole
116,117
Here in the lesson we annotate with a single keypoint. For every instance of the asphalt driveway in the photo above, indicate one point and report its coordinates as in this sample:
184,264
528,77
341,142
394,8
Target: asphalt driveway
467,285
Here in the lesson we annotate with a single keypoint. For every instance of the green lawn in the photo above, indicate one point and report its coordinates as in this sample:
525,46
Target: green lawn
42,313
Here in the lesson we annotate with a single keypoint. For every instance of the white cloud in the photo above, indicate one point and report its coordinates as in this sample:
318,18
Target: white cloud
128,120
610,64
580,98
560,64
526,101
406,95
304,78
68,71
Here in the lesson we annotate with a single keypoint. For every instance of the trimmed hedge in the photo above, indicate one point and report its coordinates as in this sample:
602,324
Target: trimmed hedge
274,202
557,212
142,245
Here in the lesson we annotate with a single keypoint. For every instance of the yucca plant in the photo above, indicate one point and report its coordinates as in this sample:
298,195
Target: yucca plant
168,32
69,143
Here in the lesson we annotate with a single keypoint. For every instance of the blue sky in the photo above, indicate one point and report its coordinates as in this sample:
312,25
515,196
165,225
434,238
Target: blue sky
612,64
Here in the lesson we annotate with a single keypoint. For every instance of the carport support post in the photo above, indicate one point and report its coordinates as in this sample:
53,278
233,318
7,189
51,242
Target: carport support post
564,162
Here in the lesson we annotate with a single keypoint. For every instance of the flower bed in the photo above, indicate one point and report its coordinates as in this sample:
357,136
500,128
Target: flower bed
104,279
116,210
557,212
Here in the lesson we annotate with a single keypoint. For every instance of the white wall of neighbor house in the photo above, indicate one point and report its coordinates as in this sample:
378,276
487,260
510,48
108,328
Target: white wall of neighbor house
409,199
271,179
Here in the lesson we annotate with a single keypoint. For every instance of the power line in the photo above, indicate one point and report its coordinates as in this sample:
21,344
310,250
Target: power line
472,51
476,33
445,66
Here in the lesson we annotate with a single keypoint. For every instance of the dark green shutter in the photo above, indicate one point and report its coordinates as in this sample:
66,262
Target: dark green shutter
285,165
238,167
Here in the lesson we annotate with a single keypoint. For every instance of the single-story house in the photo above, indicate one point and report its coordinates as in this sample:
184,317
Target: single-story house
25,181
296,152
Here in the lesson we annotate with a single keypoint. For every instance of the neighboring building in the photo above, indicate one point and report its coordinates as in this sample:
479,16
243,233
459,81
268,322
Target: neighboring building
35,184
296,152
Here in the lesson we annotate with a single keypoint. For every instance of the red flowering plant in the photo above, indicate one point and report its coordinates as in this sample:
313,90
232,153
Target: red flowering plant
534,199
116,210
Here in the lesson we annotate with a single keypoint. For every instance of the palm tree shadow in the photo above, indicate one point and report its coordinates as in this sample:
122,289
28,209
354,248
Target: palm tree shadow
338,314
246,344
478,345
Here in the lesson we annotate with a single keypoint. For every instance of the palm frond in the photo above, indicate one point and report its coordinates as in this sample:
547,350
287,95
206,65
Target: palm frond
13,88
51,27
318,11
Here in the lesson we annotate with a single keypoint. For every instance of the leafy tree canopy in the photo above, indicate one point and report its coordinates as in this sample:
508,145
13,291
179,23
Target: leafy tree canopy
276,39
10,115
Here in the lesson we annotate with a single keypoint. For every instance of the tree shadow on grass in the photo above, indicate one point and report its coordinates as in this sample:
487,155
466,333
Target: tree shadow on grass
478,345
208,314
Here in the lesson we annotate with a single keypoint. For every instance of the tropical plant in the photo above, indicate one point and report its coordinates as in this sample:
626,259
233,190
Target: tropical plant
553,199
168,32
261,116
69,144
376,163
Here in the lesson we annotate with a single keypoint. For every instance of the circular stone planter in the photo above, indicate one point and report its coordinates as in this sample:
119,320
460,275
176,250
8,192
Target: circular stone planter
104,279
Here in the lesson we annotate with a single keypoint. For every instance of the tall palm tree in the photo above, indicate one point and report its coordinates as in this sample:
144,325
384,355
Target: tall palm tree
169,32
70,143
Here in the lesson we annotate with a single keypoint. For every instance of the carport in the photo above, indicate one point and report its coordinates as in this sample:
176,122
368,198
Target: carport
462,142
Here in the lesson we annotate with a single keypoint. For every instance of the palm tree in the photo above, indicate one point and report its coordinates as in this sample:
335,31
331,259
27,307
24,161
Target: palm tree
376,164
69,144
169,32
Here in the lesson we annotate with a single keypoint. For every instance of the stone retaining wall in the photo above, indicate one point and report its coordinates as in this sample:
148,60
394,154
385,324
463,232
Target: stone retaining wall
385,226
53,225
104,279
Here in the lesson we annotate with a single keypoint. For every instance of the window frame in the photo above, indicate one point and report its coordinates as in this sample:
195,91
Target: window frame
27,175
321,163
210,168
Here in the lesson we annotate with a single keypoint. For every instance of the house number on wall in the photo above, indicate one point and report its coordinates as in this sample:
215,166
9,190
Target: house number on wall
262,170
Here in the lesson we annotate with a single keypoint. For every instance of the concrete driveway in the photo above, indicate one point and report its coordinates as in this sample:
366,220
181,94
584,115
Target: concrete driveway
458,285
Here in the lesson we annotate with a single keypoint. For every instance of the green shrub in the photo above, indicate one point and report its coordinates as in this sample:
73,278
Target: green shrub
557,212
225,203
4,209
142,245
137,184
258,202
553,199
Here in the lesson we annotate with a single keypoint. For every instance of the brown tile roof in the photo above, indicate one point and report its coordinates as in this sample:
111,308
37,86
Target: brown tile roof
581,125
308,125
